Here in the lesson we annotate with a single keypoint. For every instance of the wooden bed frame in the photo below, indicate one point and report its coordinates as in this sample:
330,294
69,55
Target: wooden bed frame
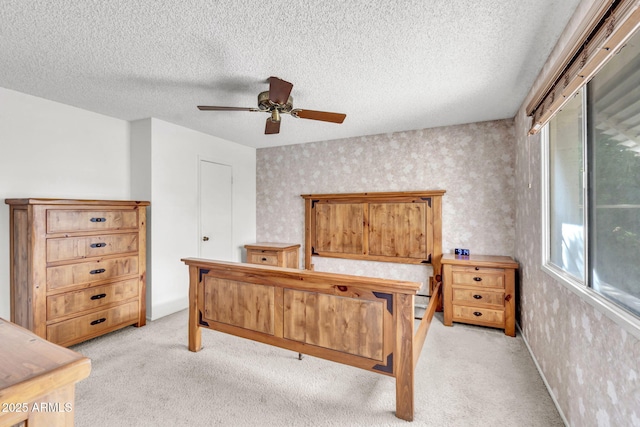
359,321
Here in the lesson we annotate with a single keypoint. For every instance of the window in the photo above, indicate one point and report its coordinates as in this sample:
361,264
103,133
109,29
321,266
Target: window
592,184
566,189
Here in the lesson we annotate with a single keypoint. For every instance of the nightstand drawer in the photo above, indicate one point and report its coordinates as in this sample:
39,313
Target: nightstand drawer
478,297
92,298
69,220
72,248
489,277
88,272
478,316
262,257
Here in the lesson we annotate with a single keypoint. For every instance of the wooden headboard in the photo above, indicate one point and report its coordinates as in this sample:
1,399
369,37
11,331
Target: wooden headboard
403,227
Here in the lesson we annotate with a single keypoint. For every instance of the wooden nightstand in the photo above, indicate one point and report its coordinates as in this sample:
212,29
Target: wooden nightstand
276,254
480,290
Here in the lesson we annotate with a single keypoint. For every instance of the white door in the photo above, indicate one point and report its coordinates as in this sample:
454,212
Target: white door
215,211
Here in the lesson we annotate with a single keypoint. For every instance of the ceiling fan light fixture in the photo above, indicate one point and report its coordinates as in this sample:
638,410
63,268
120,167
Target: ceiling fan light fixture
273,102
266,104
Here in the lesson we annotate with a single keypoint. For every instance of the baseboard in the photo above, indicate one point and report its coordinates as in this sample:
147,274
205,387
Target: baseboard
544,379
166,308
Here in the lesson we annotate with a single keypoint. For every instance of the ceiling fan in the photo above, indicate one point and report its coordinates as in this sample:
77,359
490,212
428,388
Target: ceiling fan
276,101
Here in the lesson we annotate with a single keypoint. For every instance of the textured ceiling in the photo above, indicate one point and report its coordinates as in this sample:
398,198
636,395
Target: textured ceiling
390,66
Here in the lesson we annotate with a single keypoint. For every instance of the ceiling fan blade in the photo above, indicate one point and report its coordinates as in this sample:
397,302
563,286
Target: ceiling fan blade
271,127
279,90
319,115
212,108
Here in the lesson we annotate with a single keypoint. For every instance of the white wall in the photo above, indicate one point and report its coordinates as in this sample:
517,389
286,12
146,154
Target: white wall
48,149
171,180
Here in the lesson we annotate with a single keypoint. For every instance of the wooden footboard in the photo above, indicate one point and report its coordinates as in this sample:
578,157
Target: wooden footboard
358,321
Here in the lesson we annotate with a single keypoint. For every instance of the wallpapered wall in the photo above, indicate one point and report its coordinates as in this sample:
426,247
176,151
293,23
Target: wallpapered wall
591,364
474,163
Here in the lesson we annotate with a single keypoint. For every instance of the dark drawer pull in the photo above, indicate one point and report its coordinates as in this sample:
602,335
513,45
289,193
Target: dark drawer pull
478,279
477,268
98,245
477,296
99,296
98,271
264,259
98,219
477,313
97,322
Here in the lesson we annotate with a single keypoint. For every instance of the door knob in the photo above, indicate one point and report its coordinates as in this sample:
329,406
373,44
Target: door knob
205,239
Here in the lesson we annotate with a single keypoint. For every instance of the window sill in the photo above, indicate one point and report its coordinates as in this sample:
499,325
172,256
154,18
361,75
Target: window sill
624,319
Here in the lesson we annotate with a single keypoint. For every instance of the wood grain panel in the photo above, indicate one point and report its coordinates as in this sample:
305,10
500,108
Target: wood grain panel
476,278
344,324
291,259
94,324
88,272
92,298
72,248
20,300
398,229
264,258
34,372
478,297
339,228
69,220
479,316
403,361
240,304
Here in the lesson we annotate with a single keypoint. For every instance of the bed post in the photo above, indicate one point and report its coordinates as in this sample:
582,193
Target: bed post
404,368
307,234
195,334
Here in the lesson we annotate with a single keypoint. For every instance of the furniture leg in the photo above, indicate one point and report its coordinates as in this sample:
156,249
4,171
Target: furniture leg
195,333
404,357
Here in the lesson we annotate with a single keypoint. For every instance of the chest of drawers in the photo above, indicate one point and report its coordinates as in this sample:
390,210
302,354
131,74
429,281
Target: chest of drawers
275,254
78,267
479,290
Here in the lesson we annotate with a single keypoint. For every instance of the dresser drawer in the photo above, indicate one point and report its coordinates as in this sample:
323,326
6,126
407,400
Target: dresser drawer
72,248
478,297
88,272
68,220
92,298
262,257
473,276
479,316
94,324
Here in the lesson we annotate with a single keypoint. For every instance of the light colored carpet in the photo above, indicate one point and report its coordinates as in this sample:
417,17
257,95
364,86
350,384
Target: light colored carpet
466,376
